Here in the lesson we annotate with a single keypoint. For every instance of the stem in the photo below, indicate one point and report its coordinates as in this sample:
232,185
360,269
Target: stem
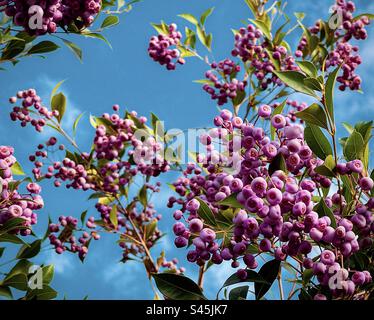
280,284
201,276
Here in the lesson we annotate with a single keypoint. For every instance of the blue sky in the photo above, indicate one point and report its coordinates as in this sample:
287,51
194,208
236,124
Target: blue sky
125,75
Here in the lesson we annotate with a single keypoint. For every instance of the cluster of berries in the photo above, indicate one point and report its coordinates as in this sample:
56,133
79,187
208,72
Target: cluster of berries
163,48
13,203
52,13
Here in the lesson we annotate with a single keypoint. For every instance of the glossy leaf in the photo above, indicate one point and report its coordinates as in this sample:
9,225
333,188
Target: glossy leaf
43,47
74,48
206,213
317,141
329,92
239,293
269,272
178,287
295,80
354,146
308,68
314,114
59,103
27,252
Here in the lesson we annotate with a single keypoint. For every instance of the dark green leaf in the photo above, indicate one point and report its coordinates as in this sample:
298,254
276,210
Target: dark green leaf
314,114
206,213
317,141
269,272
354,147
278,163
11,238
5,292
27,252
308,68
74,48
177,287
231,201
239,293
323,210
329,92
43,47
47,293
295,80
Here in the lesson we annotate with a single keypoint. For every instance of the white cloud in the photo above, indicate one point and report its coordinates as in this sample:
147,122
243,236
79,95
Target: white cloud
63,264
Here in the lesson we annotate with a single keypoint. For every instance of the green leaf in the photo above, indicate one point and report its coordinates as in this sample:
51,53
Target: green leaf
313,84
59,103
231,201
190,18
206,213
97,36
74,48
13,49
314,114
205,15
109,22
369,15
161,28
143,196
329,92
43,47
5,292
17,169
11,238
307,276
240,96
54,91
48,272
27,252
348,127
75,125
239,293
317,141
252,276
177,287
277,110
83,216
113,216
354,147
18,281
327,169
364,128
278,163
47,293
150,228
263,27
269,272
295,80
308,68
205,39
323,210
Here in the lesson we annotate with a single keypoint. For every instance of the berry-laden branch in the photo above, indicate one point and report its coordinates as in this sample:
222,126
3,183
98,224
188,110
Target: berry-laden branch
268,187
